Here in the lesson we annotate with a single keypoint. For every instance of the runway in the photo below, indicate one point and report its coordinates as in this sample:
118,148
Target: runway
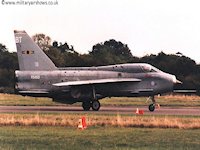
195,111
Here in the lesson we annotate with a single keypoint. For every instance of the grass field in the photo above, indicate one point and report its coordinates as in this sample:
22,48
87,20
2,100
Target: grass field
71,120
191,101
108,131
97,138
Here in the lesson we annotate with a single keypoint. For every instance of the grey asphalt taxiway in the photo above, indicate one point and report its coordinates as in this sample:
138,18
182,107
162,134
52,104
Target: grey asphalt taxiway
104,110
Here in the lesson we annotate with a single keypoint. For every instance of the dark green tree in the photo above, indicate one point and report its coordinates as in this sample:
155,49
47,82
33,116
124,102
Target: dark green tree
8,64
111,52
3,48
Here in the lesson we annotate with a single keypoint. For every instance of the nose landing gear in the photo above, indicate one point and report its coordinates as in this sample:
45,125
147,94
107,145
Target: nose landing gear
153,105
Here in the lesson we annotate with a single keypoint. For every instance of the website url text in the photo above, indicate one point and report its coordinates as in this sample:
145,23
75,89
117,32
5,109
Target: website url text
29,3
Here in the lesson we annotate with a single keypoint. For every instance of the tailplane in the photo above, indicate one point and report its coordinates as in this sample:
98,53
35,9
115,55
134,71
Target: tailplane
30,55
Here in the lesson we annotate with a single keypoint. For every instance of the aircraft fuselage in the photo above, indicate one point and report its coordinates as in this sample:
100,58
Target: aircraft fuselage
41,83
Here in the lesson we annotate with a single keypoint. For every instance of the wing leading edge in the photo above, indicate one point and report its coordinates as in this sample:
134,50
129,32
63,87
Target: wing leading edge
97,81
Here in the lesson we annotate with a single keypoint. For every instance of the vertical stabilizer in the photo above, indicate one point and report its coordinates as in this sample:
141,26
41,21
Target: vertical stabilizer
30,55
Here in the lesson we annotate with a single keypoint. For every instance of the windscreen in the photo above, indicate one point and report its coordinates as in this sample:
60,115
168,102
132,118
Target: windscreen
148,68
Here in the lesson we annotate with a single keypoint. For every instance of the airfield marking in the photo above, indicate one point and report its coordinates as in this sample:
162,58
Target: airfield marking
104,110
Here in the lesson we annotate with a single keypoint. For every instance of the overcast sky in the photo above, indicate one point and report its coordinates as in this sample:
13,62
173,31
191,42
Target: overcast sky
147,26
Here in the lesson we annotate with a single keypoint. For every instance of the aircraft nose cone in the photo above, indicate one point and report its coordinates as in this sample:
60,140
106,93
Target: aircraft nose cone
175,81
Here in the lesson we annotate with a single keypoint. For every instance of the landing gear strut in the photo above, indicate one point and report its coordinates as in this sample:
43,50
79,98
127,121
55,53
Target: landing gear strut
153,106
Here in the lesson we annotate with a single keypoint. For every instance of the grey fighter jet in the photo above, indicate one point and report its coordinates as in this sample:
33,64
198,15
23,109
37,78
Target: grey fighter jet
39,77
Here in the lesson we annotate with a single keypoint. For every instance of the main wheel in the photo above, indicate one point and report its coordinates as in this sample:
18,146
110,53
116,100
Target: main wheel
86,105
151,107
96,105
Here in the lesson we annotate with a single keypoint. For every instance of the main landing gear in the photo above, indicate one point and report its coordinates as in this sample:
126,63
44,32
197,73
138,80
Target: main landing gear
153,105
95,105
92,103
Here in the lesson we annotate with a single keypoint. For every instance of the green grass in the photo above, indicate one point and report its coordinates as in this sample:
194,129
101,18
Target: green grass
17,100
172,101
97,138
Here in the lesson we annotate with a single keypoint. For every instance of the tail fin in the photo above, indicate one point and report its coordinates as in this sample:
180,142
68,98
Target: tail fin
30,56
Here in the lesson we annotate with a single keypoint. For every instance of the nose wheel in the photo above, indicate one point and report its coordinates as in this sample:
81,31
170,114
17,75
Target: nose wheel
153,105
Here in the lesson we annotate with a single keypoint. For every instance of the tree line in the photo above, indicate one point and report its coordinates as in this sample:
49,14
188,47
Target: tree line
105,53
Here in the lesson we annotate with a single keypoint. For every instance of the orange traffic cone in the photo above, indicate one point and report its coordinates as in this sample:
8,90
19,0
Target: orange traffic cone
137,111
82,123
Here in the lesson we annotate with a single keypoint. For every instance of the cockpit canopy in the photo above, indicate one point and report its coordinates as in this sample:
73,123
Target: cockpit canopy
131,68
149,68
